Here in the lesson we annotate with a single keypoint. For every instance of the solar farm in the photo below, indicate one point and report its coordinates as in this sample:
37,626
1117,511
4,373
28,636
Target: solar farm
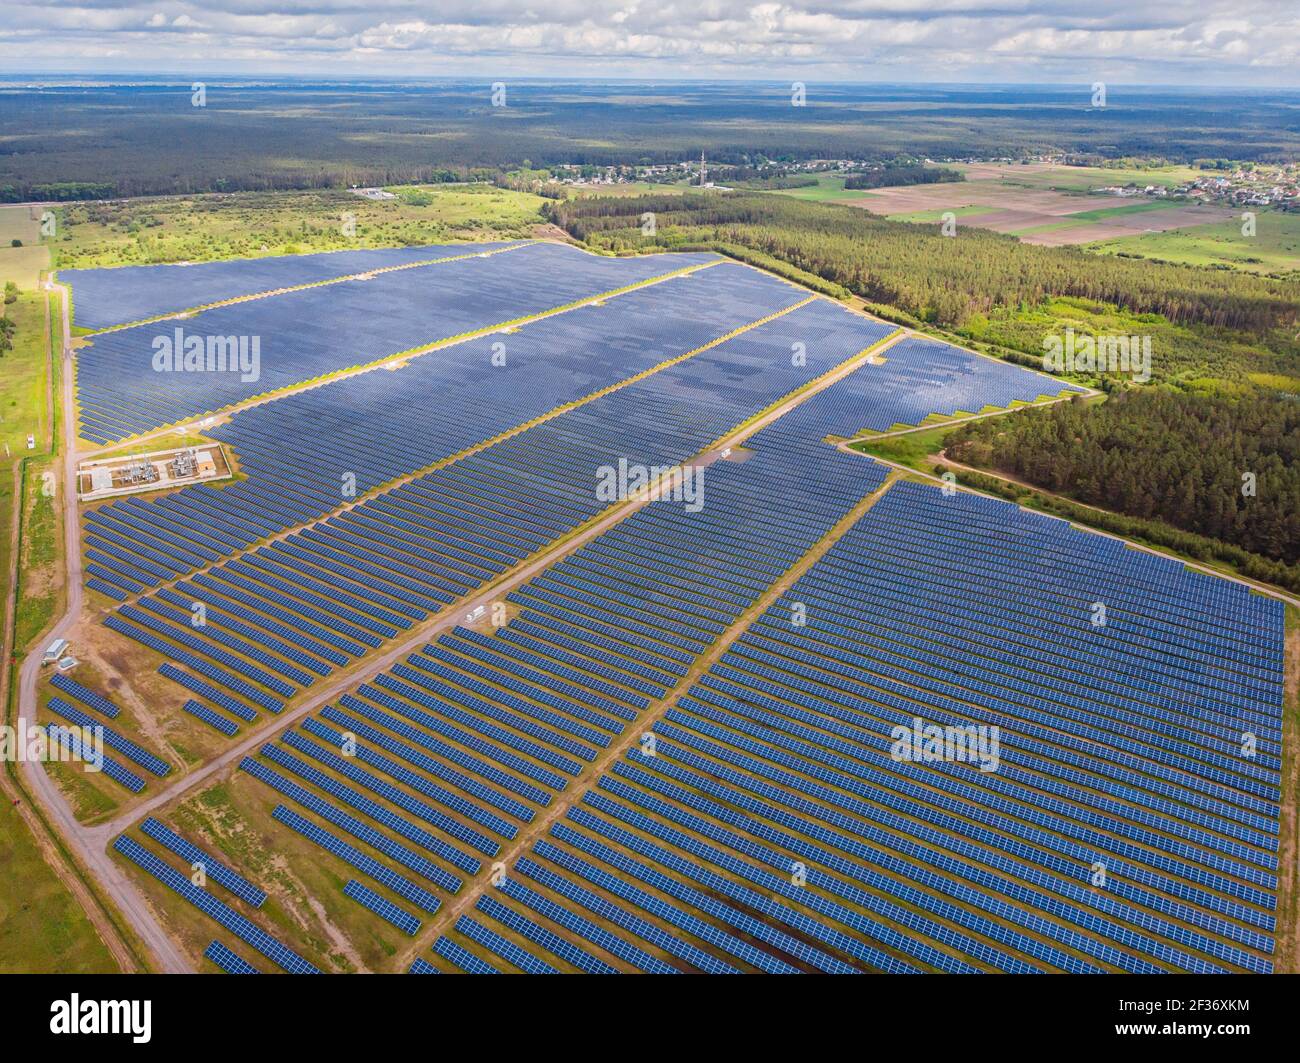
410,692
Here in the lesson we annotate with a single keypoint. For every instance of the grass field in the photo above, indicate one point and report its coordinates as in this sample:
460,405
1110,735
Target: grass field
1088,217
829,189
251,224
915,449
42,929
1275,247
22,265
632,188
17,223
1102,213
935,216
22,378
40,590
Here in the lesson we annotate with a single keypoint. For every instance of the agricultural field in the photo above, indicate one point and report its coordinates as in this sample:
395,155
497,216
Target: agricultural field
1062,178
45,932
1045,204
23,377
22,264
1274,248
463,694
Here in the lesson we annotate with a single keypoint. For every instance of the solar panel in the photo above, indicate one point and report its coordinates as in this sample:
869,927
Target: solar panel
404,921
213,868
225,915
227,960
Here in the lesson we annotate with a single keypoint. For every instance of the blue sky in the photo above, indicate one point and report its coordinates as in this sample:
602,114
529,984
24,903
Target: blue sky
1177,42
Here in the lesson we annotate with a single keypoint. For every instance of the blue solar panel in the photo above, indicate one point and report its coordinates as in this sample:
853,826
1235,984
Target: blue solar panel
85,695
228,961
212,867
72,742
111,738
211,718
379,842
363,895
399,884
462,957
507,950
225,915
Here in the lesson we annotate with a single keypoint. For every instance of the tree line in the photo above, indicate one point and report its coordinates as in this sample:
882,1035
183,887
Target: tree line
936,278
889,176
1222,466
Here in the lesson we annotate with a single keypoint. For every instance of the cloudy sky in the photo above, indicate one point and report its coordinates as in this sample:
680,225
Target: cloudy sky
1182,42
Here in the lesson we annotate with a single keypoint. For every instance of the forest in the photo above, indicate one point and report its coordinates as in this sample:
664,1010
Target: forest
1226,467
934,278
890,176
91,137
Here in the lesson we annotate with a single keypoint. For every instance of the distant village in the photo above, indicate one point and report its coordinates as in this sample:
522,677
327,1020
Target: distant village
1257,185
696,171
1239,184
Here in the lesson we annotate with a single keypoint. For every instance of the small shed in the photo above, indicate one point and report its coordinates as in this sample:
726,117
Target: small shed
54,651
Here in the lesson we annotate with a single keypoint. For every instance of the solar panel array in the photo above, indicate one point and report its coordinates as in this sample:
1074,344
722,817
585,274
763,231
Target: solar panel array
222,913
922,376
212,867
466,741
399,884
312,332
375,427
131,750
71,741
1125,817
103,298
404,921
210,717
1123,828
371,572
963,611
462,958
84,694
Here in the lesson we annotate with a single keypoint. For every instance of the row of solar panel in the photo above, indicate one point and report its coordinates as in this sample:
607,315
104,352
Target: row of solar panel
452,530
309,333
360,432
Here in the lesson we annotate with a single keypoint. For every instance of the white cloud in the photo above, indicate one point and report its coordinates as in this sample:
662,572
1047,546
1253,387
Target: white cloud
1180,41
